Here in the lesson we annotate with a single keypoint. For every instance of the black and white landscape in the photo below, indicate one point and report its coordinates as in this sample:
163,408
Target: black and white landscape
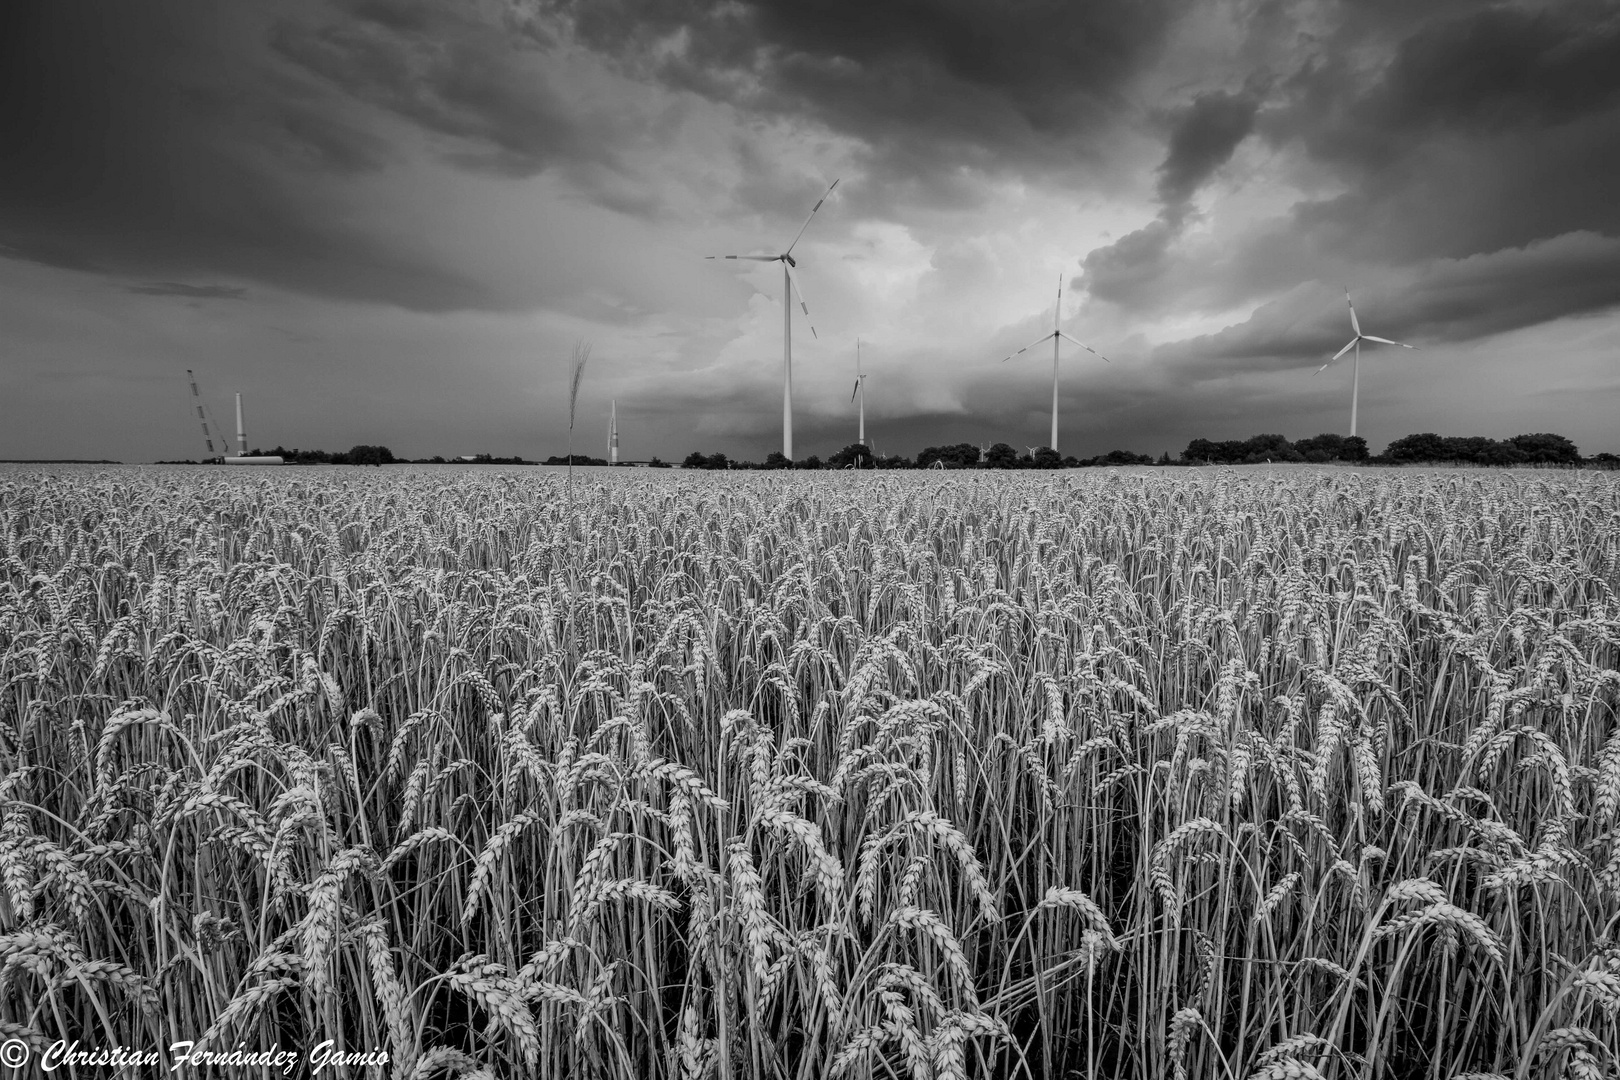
1166,627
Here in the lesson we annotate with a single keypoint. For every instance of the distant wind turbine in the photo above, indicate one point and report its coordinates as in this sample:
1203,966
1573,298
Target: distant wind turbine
790,283
1355,342
576,372
860,391
1056,334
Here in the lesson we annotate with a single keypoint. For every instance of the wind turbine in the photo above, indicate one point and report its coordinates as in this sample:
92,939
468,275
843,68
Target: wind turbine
790,282
1057,334
1355,342
860,391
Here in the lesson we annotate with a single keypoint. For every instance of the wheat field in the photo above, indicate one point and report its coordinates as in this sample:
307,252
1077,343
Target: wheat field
1191,773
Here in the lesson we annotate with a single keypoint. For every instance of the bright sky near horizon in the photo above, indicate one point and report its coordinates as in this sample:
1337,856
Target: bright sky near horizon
388,221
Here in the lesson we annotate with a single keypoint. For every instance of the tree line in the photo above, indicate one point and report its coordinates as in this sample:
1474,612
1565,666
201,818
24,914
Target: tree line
1541,449
1535,449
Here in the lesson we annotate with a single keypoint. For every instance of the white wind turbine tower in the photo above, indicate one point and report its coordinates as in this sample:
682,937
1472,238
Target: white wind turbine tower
1355,342
860,391
790,282
1056,335
613,433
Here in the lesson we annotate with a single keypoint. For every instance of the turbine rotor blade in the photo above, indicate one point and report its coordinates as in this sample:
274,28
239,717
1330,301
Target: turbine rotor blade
1083,345
855,391
1338,354
1355,324
806,224
1044,337
750,258
794,278
1386,341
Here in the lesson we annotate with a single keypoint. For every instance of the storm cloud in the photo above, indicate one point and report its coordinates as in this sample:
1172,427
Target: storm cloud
413,208
151,140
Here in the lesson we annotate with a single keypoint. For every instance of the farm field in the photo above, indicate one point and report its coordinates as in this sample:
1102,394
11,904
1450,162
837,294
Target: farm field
1148,773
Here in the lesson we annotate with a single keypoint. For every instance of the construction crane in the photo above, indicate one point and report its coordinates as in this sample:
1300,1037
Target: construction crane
202,417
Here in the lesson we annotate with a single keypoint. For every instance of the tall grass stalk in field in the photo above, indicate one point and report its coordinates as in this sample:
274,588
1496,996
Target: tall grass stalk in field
1114,774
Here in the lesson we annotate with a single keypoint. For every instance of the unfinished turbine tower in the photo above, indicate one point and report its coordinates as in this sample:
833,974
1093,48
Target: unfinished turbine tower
860,391
790,283
241,457
1056,335
1355,342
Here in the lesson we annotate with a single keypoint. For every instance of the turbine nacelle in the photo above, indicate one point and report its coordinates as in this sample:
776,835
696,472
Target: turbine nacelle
1355,343
1055,335
1355,327
790,284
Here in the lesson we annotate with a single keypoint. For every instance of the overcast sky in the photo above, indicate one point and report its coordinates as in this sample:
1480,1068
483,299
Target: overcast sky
388,221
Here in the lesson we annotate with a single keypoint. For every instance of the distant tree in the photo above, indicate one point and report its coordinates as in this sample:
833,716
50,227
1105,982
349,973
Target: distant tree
957,456
1200,450
1354,449
1426,446
716,461
1260,448
777,460
369,455
695,460
1537,449
811,462
657,463
1322,448
1164,458
1071,462
854,454
1001,456
1547,449
1047,458
1119,457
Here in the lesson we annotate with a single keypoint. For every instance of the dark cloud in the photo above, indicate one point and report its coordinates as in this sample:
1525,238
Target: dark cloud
453,69
1136,261
1487,69
1450,301
1203,137
1488,129
928,86
189,292
159,141
1450,131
